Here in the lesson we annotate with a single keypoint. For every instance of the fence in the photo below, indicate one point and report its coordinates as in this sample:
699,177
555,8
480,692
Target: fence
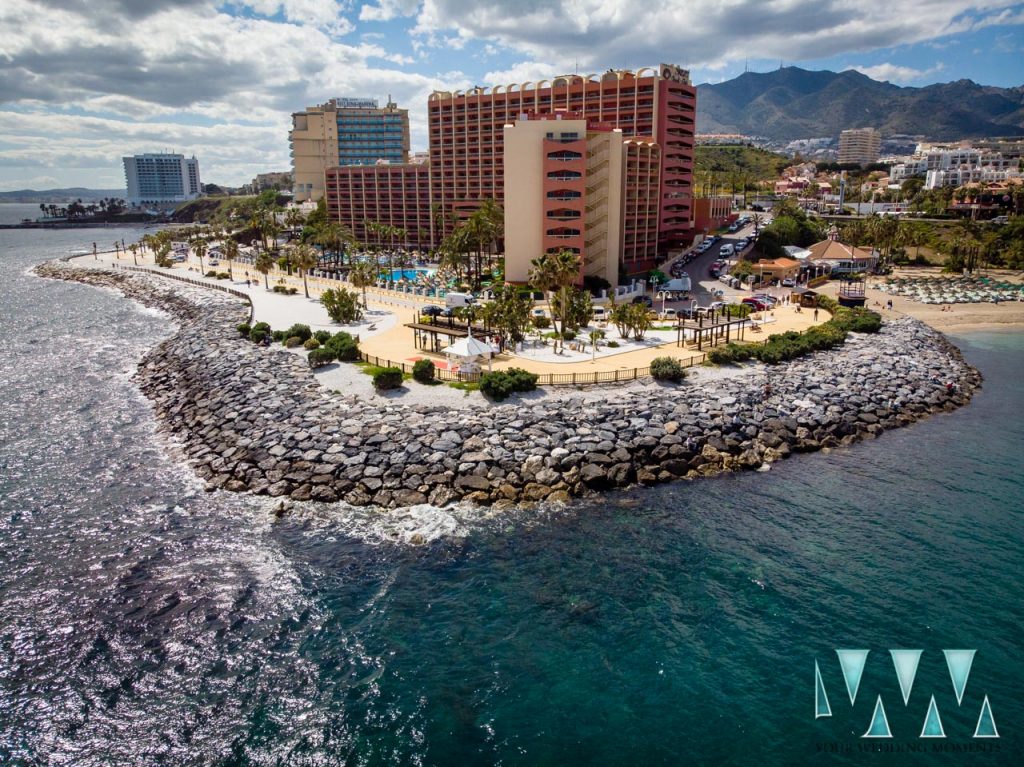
543,379
192,281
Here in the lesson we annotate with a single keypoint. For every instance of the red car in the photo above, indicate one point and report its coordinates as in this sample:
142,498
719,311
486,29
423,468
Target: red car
756,303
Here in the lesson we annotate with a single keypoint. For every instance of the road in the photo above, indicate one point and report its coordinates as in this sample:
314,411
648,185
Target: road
704,285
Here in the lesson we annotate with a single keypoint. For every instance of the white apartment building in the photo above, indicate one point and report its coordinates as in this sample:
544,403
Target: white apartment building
154,179
967,175
952,160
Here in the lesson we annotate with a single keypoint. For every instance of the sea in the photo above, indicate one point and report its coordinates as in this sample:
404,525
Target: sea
144,621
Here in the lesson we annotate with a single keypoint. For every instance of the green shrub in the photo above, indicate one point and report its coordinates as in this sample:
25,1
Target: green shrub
740,310
310,344
613,344
320,357
244,329
522,380
280,289
423,371
211,273
292,341
541,322
568,335
259,332
223,276
323,336
387,378
498,385
342,305
666,369
302,331
278,336
343,347
292,291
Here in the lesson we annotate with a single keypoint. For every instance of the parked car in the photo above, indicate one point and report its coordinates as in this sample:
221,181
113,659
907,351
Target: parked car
432,310
669,314
647,300
600,314
727,250
756,303
789,282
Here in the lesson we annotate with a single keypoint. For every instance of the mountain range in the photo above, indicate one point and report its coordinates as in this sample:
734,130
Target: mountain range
793,103
68,194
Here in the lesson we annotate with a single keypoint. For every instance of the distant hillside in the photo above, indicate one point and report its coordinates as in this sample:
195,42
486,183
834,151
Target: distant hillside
792,103
726,161
61,195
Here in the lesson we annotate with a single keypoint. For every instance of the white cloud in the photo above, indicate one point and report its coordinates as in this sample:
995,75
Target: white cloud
894,73
602,33
192,79
385,10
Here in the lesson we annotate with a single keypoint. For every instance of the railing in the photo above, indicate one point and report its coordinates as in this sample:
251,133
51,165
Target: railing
543,379
191,281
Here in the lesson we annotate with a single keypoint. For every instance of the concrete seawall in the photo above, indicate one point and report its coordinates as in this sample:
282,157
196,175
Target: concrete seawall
252,419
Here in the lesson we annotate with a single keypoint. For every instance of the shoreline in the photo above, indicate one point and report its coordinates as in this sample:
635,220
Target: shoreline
257,420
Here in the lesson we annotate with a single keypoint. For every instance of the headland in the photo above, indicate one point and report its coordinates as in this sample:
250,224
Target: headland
252,419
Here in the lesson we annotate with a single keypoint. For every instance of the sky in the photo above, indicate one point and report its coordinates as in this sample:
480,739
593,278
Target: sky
84,82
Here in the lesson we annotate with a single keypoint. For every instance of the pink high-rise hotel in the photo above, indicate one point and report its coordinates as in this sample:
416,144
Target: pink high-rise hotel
655,108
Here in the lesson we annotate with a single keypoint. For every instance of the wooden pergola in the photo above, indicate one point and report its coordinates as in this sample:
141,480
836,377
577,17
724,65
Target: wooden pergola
718,328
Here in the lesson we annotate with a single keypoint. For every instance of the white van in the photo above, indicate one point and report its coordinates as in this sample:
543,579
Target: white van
726,250
452,300
600,314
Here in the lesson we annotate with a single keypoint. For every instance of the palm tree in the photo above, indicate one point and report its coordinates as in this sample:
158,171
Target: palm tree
361,276
305,258
264,263
135,251
200,247
556,273
230,253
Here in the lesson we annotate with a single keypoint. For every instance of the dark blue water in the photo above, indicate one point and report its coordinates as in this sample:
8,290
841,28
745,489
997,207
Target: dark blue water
143,621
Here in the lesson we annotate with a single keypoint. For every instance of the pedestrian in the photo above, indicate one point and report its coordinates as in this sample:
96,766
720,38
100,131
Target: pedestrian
815,314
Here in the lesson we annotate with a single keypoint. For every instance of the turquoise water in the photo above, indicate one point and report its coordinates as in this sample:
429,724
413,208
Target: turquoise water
143,621
407,274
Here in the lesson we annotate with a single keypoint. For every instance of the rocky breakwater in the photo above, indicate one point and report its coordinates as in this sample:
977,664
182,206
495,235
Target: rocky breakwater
255,420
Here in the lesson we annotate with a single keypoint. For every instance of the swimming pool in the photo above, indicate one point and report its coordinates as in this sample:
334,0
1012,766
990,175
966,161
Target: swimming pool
409,274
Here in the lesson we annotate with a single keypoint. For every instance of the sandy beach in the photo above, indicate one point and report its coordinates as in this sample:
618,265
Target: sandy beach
1007,315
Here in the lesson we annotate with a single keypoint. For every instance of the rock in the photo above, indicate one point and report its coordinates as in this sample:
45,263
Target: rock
409,497
472,482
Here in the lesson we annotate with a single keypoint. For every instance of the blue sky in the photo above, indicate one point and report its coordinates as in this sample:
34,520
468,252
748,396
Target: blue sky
83,82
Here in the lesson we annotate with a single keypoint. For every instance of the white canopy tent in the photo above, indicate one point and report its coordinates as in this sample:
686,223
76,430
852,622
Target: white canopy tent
468,350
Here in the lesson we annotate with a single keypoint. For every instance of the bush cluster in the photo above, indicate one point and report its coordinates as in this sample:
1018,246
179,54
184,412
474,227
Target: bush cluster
498,385
323,336
259,332
541,322
666,369
278,336
320,357
292,341
285,290
223,276
387,378
211,273
243,329
310,343
423,371
791,345
301,331
343,346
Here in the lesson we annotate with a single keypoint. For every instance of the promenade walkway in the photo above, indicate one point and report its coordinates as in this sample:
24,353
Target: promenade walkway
383,334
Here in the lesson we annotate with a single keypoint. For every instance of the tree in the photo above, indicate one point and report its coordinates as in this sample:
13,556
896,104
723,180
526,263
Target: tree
264,263
199,247
304,258
508,313
362,276
556,273
342,305
230,253
135,250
